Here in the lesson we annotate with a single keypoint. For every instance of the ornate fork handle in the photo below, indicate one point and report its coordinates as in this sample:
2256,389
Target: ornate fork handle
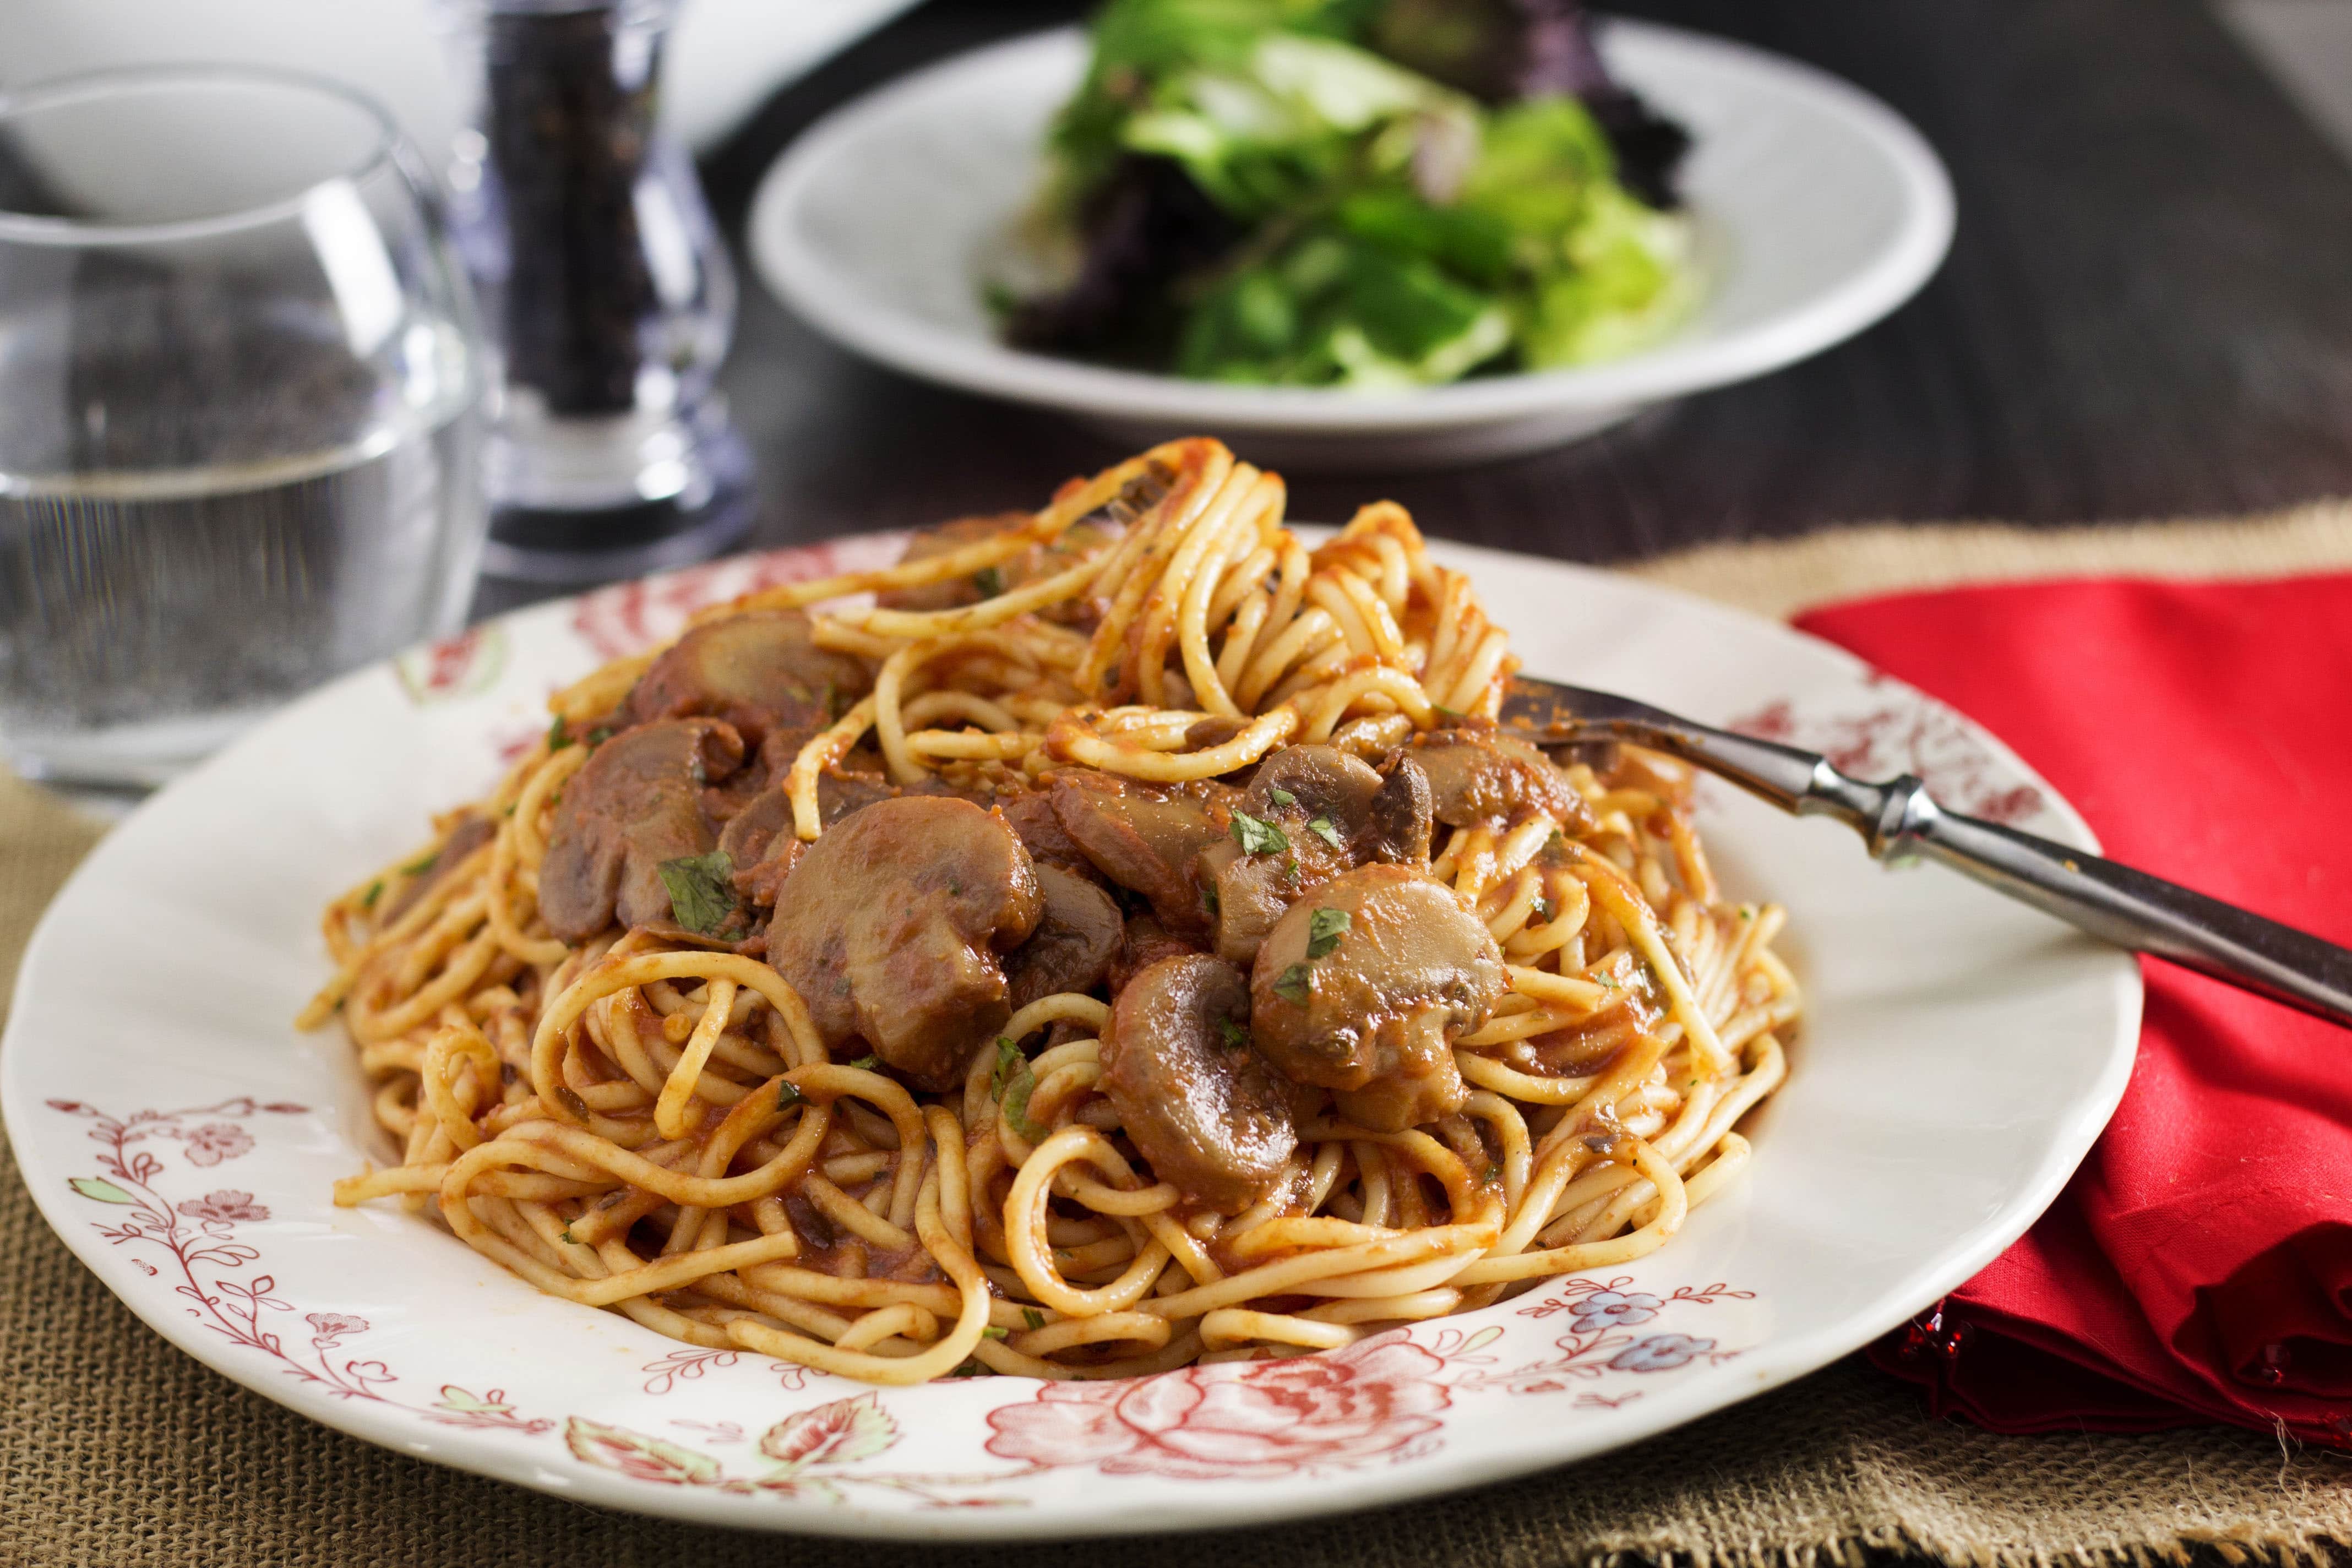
1900,821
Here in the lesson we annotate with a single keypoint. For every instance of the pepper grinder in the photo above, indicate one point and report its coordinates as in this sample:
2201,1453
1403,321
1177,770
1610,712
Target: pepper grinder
607,290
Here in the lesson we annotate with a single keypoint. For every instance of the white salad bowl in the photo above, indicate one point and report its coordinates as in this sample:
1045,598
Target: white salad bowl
1817,210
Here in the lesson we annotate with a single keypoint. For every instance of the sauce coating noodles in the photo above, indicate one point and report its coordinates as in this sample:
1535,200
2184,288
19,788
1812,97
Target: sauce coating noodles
650,1120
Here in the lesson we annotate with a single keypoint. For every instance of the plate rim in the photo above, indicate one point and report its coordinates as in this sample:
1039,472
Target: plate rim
799,276
1784,1356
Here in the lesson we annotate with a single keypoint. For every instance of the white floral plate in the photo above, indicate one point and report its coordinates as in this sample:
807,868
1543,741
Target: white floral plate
1817,210
1958,1056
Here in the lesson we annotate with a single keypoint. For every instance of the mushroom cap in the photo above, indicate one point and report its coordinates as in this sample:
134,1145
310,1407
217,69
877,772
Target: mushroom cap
1210,1115
1481,775
1336,813
759,670
636,803
1077,937
1403,971
891,924
1143,837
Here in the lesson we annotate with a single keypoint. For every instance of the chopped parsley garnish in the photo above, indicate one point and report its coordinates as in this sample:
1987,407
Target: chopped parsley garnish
559,735
701,891
1235,1036
1545,910
1279,796
1557,842
868,1063
1256,836
1033,1317
1010,1083
1295,983
787,1096
422,864
1322,827
375,891
1324,929
1209,898
993,1332
598,735
1453,714
990,581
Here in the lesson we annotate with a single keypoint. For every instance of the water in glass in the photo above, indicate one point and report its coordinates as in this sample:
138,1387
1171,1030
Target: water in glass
238,427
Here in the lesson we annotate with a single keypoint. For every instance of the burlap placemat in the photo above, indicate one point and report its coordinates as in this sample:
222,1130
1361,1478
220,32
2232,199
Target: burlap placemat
117,1451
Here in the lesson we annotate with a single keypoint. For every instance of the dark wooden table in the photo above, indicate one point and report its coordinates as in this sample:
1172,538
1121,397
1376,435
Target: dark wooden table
2147,311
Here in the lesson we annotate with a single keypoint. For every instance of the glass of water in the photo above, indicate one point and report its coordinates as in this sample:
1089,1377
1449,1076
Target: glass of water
238,423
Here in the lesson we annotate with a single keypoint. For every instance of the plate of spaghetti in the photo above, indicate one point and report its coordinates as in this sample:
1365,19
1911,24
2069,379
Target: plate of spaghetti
1069,1022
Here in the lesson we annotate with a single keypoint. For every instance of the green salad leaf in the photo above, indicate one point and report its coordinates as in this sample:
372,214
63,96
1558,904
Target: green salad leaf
1340,219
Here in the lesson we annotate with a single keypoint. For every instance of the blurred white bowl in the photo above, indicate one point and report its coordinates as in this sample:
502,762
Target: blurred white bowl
724,59
1818,209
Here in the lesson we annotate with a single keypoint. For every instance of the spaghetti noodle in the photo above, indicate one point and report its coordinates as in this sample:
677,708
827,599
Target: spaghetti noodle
652,1119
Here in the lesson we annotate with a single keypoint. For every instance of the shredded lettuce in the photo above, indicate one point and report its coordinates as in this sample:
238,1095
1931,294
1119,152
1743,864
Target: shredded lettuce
1260,194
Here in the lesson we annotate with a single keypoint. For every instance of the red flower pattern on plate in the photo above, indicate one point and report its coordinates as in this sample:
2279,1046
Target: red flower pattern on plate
1903,732
217,1141
329,1327
462,666
224,1207
631,616
1235,1420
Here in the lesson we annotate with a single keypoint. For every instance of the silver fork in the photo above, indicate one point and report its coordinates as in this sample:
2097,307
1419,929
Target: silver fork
1900,822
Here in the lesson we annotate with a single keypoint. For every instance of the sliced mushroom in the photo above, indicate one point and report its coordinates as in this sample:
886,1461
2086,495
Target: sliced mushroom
841,794
1250,891
891,927
468,836
752,832
757,835
1075,942
1144,944
1404,817
1030,814
759,843
1333,812
1479,775
1201,1107
634,805
1202,734
952,535
759,670
1144,836
1363,987
1074,543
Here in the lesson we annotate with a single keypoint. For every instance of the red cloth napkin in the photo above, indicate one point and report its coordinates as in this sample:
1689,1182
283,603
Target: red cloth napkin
2198,1266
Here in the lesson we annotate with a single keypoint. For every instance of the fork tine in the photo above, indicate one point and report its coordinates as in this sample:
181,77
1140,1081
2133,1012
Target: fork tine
1553,713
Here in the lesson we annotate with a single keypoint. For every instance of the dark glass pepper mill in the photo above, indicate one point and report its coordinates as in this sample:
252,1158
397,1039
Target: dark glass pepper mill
608,288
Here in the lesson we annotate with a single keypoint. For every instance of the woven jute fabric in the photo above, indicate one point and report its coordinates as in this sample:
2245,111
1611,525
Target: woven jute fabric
117,1451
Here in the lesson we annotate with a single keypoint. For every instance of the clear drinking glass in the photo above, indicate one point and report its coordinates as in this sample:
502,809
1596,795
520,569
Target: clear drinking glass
238,435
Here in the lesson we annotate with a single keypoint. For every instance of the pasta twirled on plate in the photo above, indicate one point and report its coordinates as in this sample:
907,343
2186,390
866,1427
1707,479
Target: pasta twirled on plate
1115,937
